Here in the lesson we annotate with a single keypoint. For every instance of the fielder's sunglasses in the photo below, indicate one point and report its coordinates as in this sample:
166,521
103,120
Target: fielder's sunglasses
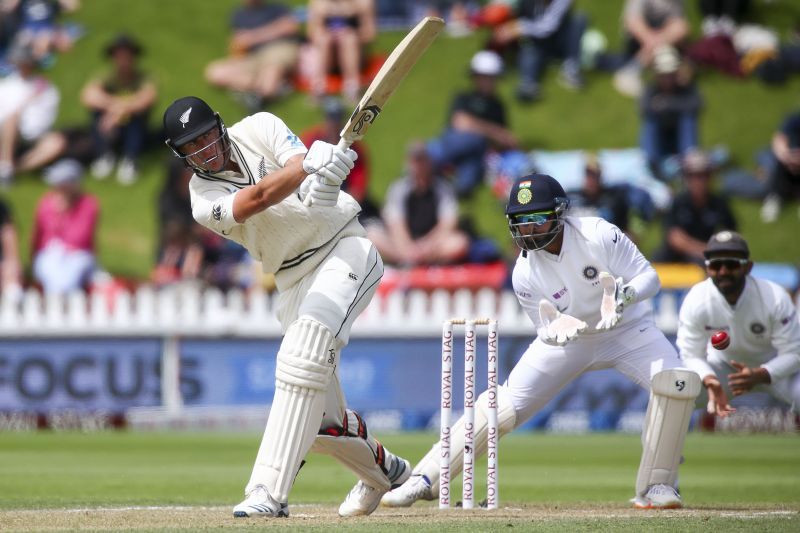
537,219
731,263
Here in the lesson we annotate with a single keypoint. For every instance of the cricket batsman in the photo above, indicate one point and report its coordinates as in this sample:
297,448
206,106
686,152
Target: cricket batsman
249,185
585,287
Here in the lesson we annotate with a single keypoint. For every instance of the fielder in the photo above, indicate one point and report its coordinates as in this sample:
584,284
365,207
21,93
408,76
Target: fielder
585,286
760,319
249,185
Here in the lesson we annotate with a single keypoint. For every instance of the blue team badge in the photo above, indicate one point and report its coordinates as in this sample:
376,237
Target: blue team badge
590,272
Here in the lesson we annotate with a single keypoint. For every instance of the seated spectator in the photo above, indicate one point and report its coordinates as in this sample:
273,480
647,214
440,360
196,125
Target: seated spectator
544,29
10,265
695,215
120,103
38,26
28,109
356,184
476,123
64,230
596,199
179,254
648,24
263,52
420,216
339,31
670,108
784,180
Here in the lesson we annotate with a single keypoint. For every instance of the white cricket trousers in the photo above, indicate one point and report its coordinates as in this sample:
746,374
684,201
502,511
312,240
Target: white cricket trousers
638,349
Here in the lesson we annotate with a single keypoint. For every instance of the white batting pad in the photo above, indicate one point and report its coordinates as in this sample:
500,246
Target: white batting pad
306,360
506,420
672,395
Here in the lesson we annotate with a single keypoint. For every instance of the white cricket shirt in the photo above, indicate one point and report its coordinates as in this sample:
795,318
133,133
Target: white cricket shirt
570,280
289,238
763,328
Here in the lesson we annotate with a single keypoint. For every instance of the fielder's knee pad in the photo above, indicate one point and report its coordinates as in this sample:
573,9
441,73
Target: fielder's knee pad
307,356
672,396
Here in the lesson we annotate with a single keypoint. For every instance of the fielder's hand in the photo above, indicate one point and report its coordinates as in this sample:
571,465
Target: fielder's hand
615,297
717,399
559,328
329,161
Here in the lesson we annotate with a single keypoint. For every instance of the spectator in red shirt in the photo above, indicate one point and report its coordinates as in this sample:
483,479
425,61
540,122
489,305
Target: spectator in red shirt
64,231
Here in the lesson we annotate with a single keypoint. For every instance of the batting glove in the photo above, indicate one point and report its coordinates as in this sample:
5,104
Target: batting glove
314,190
329,161
615,297
558,328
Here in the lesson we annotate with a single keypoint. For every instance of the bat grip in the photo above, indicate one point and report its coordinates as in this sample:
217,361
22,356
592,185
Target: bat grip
343,144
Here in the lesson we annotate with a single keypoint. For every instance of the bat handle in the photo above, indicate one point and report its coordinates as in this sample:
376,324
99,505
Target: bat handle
343,144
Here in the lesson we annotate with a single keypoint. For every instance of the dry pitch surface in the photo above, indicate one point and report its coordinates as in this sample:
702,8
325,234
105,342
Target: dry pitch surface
423,518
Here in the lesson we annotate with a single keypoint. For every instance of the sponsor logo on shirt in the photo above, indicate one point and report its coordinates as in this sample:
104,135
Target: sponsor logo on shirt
216,212
561,292
788,319
523,294
293,139
708,327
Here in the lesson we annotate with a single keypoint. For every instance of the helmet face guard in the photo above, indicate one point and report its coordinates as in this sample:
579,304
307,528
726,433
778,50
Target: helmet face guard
204,159
522,226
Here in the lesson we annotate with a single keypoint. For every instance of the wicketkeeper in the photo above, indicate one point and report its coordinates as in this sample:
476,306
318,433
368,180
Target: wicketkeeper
585,286
249,185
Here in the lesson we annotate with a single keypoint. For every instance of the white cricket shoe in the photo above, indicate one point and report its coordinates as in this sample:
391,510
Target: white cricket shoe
659,496
362,500
260,503
418,487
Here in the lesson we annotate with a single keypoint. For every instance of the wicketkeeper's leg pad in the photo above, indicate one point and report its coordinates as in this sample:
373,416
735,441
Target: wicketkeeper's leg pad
672,396
506,421
352,445
306,361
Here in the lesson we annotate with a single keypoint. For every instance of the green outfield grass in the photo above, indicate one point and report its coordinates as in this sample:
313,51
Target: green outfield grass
730,475
182,36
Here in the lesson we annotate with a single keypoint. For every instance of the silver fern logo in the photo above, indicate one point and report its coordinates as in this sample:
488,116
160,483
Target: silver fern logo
184,118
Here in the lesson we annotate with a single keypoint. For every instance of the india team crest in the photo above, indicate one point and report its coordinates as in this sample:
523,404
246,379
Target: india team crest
524,196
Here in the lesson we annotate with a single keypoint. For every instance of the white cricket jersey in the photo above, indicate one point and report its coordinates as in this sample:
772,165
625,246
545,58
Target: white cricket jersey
570,280
289,238
763,328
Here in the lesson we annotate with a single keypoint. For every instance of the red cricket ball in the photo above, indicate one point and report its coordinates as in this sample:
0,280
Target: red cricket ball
720,340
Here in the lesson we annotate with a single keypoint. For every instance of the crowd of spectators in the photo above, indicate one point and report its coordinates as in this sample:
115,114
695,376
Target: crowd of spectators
326,50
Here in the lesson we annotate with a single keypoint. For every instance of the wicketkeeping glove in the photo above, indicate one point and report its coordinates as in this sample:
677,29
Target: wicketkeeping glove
559,328
615,297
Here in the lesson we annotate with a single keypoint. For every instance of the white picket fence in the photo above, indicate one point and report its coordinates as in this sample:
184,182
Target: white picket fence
208,312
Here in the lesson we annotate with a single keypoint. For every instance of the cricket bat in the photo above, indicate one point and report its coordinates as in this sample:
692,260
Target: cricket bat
393,71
